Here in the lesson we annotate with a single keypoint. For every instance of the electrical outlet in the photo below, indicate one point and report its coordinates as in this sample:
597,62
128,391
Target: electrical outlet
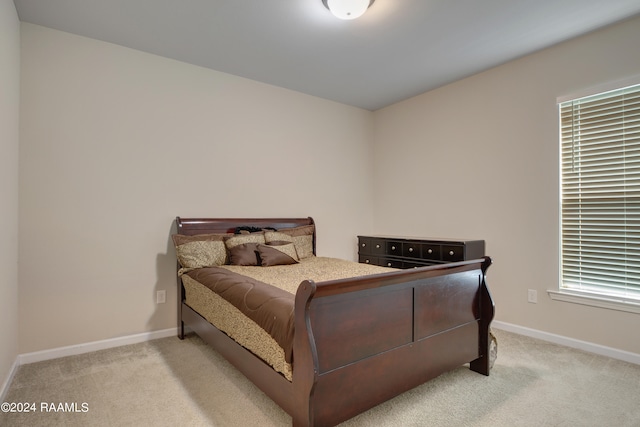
161,297
532,296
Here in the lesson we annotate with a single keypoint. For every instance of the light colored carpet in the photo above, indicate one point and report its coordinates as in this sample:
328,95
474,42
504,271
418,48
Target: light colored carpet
168,382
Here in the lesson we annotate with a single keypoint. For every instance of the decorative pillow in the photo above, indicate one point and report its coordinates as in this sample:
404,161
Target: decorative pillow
201,250
286,248
246,229
239,239
244,254
302,239
181,239
282,242
270,256
277,237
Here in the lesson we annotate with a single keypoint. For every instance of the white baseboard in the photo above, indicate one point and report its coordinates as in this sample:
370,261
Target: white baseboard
5,386
55,353
614,353
39,356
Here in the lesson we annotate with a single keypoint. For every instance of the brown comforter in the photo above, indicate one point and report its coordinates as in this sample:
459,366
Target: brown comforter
268,306
266,295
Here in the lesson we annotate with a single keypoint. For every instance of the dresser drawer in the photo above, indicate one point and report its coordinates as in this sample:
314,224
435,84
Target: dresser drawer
364,245
368,259
388,262
378,246
430,251
411,250
452,253
394,248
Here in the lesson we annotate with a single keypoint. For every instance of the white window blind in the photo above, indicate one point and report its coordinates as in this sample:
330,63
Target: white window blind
600,179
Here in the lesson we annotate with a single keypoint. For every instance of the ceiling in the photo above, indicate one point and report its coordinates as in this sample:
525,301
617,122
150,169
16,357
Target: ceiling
398,49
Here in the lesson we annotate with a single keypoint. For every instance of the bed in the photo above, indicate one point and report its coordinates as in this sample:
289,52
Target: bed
355,342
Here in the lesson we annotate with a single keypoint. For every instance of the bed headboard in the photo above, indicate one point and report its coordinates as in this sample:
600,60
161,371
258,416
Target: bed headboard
192,226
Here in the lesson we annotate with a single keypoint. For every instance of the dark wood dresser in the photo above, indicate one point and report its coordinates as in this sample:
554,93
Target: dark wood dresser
409,252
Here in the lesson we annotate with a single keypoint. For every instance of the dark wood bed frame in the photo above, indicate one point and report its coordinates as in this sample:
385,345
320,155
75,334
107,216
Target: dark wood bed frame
359,342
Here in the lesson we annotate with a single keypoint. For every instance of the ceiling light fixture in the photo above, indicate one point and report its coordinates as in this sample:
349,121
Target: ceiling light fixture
348,9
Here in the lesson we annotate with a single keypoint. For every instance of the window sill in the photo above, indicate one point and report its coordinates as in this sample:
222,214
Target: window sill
595,301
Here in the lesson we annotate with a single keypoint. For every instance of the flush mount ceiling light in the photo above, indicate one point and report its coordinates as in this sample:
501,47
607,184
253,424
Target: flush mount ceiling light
347,9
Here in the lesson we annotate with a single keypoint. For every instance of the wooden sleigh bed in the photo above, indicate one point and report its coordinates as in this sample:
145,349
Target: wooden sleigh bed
360,341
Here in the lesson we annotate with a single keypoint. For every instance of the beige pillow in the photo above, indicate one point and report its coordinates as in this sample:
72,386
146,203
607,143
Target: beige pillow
239,239
201,250
276,236
302,239
283,242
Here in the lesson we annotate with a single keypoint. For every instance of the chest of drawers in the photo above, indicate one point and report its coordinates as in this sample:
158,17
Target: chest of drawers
408,252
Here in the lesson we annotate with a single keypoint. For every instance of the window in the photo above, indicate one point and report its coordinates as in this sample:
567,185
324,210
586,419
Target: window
600,192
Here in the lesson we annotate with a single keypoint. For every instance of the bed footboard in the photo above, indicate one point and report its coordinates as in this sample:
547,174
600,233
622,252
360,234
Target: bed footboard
362,341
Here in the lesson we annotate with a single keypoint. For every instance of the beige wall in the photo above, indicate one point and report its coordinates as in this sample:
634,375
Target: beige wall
479,159
9,138
115,143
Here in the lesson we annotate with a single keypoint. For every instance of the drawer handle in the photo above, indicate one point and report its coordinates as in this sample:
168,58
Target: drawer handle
451,252
388,264
410,249
364,245
377,246
430,251
366,261
393,248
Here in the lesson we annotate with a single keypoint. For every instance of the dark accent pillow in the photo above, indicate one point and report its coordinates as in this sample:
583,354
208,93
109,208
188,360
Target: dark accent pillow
244,254
270,256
